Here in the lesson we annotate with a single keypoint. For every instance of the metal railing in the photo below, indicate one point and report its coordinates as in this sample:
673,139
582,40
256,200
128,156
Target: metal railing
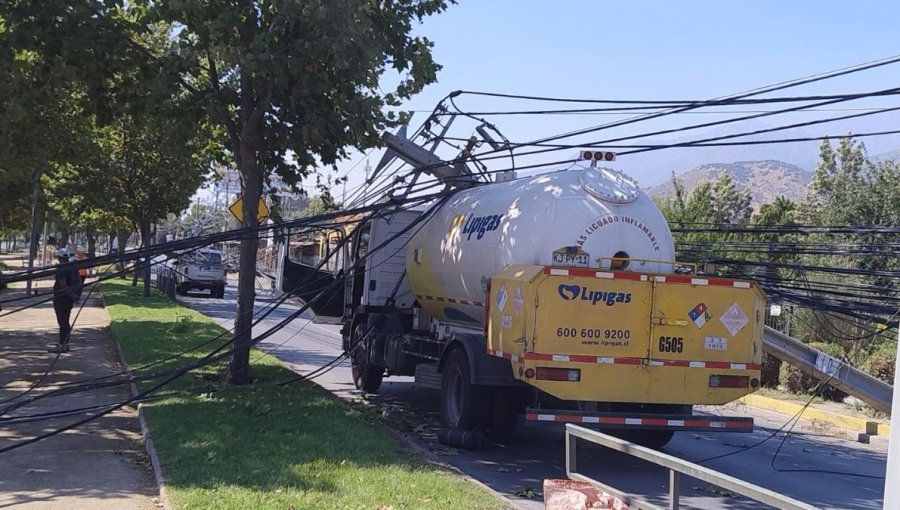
676,467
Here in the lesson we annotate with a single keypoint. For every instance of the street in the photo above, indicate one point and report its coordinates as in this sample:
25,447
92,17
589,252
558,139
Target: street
537,451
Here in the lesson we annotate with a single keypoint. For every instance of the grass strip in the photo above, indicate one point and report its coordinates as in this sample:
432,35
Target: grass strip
262,445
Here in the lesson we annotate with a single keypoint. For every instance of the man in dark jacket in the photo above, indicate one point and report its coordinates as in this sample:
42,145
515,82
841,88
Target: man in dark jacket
65,291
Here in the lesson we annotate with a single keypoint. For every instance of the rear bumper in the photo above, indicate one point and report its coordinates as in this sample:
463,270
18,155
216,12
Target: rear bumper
644,421
199,284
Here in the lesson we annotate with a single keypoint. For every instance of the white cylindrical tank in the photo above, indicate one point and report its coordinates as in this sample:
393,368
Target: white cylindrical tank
593,212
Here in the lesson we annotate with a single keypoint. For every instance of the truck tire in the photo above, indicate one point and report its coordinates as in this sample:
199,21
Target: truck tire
506,405
219,292
366,376
463,405
181,290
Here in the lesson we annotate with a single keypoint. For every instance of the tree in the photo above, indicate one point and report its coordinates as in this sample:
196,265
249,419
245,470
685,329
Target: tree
41,125
848,190
716,202
293,85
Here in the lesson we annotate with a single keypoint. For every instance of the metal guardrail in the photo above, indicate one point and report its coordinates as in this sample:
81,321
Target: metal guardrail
676,467
842,376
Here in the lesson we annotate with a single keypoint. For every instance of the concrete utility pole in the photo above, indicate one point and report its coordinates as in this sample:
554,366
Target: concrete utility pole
32,245
892,478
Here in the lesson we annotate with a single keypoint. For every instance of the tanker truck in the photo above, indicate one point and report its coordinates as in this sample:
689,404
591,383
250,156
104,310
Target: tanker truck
554,298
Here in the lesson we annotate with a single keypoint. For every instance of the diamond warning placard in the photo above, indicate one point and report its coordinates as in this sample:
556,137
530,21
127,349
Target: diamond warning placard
502,297
734,319
700,314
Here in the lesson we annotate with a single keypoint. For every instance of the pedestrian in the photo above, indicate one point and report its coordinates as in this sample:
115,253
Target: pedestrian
83,272
65,292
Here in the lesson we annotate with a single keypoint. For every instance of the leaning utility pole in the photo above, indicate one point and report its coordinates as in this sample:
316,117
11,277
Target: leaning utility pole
892,477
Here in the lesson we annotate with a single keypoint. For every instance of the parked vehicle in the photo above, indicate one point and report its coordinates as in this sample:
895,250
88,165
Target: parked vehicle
200,270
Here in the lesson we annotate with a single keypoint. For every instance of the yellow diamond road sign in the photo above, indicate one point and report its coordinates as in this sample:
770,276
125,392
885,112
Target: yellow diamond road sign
237,209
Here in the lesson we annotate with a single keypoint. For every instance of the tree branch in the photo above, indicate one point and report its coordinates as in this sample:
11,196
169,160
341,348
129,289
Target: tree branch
233,132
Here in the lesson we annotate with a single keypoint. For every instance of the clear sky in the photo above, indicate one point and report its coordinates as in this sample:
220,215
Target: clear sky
656,50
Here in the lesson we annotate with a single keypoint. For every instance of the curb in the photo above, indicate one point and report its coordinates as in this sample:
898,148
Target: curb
863,427
145,429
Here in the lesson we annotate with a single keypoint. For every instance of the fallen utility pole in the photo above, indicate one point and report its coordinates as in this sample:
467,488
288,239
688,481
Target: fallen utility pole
834,372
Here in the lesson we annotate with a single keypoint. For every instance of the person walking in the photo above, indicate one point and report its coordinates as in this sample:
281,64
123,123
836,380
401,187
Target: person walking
65,291
84,272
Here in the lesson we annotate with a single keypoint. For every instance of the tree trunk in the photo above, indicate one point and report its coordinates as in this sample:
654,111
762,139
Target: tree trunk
145,243
239,368
121,238
91,244
246,141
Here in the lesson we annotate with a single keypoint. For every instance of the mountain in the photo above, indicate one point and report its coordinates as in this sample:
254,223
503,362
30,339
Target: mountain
766,180
655,167
893,155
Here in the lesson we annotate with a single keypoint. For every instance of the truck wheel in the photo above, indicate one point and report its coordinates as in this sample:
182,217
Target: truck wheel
366,376
219,292
506,404
463,405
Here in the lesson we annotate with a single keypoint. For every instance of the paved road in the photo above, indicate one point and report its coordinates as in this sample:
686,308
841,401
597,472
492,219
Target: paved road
537,451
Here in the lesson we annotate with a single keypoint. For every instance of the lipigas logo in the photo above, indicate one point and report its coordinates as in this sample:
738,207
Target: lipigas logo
577,292
474,225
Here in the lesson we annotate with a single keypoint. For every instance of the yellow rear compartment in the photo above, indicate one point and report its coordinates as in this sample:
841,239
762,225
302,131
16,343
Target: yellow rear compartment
632,337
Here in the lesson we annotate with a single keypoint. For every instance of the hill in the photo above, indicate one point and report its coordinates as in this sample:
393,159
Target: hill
766,180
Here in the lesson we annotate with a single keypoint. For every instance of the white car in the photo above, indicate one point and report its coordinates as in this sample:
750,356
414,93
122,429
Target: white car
202,269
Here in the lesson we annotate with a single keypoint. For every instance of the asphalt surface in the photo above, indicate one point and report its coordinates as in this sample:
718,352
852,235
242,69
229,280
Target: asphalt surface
810,465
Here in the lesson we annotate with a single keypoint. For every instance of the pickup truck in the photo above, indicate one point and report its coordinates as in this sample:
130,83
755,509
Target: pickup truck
201,270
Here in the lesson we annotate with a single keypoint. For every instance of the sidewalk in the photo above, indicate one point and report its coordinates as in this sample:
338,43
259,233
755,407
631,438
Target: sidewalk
100,465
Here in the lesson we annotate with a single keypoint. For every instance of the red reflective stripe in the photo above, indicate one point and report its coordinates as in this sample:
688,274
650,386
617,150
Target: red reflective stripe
582,272
642,421
580,358
627,276
678,279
